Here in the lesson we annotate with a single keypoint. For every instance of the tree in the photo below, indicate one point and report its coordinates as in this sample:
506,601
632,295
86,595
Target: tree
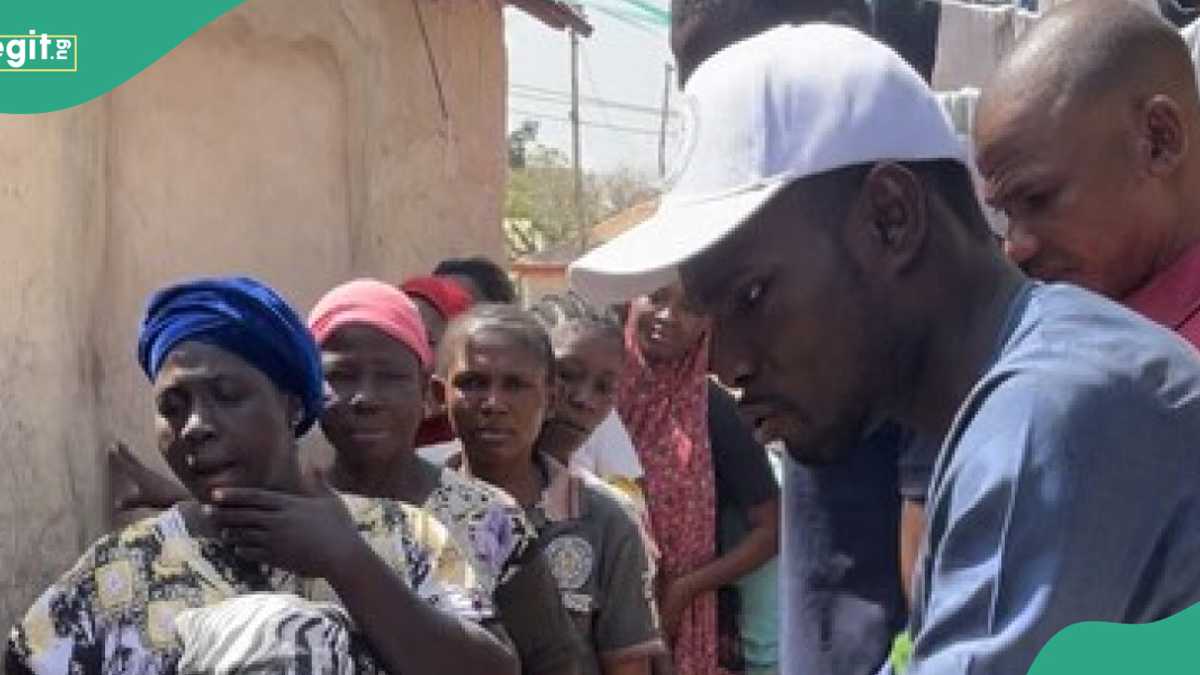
625,188
518,140
539,208
540,202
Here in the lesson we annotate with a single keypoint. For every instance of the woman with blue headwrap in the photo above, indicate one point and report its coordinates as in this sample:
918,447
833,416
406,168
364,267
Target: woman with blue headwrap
232,580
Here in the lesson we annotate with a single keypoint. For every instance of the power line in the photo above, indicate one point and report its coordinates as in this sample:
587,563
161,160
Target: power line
632,21
532,97
640,10
554,96
658,13
587,71
554,100
586,123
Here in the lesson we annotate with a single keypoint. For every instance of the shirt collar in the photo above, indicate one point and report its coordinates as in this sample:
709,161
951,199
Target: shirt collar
1173,295
562,499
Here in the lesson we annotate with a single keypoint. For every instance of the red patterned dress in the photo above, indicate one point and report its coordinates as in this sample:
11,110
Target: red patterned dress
665,407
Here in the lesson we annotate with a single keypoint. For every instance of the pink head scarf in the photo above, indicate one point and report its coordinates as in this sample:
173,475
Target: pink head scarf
375,304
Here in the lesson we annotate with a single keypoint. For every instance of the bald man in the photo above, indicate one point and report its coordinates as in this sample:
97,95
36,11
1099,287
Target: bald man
1086,138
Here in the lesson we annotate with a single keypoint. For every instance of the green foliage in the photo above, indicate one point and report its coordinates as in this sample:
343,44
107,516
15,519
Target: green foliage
539,206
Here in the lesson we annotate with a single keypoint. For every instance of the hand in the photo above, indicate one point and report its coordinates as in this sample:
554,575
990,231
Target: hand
676,598
146,488
309,534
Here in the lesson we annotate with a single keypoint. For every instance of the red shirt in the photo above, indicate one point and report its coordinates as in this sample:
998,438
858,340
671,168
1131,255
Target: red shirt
1173,297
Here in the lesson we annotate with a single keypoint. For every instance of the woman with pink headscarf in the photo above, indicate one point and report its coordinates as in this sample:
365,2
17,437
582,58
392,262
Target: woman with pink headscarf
377,362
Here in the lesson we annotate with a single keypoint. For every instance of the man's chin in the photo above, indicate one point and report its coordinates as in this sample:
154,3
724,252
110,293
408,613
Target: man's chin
809,450
814,456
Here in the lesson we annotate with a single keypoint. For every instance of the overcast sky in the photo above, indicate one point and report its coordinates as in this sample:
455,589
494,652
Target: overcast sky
619,63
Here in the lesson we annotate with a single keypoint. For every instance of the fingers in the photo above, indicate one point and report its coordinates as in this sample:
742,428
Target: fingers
249,538
235,518
255,553
250,498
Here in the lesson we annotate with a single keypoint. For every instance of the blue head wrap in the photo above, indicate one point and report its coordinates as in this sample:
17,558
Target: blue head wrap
241,316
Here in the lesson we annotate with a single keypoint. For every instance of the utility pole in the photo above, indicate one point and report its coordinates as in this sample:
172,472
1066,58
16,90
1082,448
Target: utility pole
662,131
576,168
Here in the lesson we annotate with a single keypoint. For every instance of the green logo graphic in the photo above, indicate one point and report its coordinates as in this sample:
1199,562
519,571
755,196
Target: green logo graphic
42,69
1164,647
34,53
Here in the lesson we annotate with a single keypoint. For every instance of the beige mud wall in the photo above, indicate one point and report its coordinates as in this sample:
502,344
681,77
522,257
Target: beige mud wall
300,141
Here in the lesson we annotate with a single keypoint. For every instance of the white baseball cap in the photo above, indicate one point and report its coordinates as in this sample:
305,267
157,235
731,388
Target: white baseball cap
792,102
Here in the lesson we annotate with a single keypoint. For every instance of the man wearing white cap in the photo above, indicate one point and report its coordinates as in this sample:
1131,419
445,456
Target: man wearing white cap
825,220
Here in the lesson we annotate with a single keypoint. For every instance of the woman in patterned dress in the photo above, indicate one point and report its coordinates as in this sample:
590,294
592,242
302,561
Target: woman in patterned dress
237,380
663,401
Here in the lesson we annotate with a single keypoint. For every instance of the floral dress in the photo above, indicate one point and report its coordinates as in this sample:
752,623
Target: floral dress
485,522
115,611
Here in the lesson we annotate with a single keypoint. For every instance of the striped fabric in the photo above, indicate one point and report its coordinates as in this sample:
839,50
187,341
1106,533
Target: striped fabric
274,633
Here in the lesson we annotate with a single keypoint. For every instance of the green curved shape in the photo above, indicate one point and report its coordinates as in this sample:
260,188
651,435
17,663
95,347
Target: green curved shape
113,41
1164,647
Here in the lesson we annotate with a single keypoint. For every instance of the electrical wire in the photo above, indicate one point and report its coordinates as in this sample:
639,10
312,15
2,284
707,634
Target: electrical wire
542,94
587,123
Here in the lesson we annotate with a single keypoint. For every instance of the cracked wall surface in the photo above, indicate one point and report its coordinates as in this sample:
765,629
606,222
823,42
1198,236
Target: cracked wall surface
304,142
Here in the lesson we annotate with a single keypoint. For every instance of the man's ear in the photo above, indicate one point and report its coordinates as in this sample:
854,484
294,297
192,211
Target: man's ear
891,219
1162,136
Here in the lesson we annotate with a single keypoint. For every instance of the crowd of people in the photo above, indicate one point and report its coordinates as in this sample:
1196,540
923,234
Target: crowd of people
992,433
510,556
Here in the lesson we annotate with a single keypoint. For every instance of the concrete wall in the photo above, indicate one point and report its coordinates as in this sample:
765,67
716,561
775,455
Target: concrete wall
300,141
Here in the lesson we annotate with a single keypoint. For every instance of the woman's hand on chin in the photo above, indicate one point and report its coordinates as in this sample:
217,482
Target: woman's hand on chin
310,534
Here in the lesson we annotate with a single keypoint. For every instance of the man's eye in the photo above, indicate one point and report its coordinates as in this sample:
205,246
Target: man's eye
750,296
1036,202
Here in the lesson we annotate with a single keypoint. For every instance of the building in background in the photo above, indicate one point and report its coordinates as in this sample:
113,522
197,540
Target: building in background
546,271
298,141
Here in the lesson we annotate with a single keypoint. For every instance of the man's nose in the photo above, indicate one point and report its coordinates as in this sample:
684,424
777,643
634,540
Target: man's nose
729,358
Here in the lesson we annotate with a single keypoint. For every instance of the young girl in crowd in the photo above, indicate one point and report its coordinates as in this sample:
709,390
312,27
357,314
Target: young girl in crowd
693,448
519,418
237,379
590,354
